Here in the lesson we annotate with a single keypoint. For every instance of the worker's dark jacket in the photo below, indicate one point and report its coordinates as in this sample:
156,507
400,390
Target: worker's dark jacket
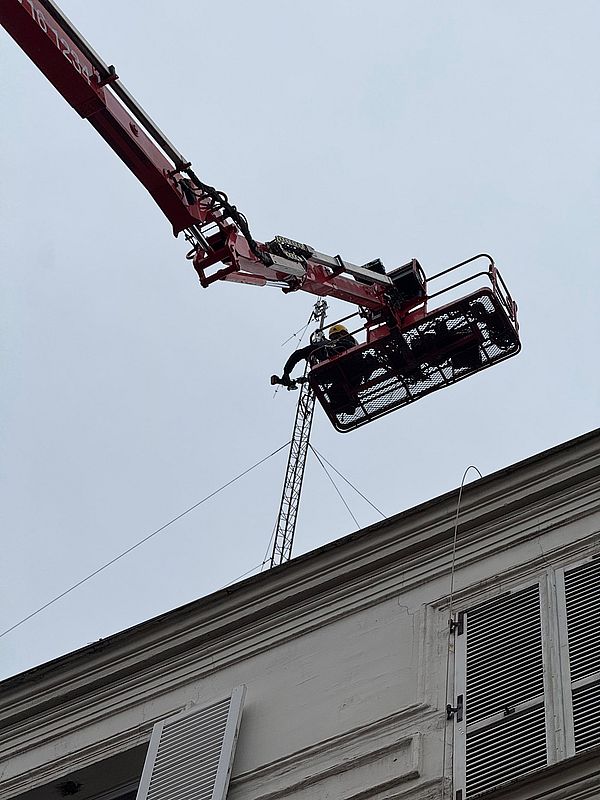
319,351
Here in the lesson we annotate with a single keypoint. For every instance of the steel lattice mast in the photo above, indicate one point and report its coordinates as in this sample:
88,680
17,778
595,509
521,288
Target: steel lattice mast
294,474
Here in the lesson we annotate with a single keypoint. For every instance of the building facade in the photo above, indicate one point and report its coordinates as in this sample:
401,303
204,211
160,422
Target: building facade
432,655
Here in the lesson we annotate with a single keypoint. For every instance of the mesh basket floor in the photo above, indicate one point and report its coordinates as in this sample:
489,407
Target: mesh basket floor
372,380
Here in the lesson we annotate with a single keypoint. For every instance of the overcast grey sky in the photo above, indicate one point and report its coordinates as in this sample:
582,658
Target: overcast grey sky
390,129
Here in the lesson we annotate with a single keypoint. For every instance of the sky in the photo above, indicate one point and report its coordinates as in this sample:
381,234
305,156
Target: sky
391,129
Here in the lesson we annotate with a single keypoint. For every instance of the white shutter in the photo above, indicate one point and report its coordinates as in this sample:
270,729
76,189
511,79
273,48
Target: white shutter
190,755
582,603
503,733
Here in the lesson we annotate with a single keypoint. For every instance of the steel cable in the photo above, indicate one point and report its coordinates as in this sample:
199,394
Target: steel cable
334,485
141,542
366,499
450,611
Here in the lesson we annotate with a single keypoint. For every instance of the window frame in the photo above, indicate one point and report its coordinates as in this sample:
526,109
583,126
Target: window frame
558,685
568,684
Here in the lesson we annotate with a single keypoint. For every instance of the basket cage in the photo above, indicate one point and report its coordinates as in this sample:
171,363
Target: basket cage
444,346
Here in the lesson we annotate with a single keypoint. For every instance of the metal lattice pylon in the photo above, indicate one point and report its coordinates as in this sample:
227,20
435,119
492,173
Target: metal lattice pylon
294,473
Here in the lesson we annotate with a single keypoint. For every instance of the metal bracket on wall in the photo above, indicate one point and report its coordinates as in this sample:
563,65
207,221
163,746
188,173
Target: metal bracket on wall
458,709
457,625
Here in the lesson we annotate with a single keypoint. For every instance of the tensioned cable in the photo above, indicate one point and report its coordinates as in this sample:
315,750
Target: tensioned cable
334,486
300,331
450,611
258,566
268,550
366,499
142,541
243,575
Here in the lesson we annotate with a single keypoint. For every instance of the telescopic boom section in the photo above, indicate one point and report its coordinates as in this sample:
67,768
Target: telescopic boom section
95,92
218,233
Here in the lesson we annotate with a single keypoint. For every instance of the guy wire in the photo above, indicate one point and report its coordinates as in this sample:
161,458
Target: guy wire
334,486
366,499
141,542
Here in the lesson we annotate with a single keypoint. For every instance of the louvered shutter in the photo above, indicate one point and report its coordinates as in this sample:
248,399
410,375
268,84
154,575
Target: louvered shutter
582,604
190,755
503,733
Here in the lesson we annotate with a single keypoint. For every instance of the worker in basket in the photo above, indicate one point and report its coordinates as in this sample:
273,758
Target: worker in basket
319,350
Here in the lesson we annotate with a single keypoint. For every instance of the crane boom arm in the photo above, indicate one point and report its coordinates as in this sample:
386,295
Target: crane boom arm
412,347
218,233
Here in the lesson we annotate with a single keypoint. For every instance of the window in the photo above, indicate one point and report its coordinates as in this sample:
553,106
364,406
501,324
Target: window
527,679
191,754
580,629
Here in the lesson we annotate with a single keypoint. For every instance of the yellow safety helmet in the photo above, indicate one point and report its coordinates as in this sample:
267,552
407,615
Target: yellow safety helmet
337,330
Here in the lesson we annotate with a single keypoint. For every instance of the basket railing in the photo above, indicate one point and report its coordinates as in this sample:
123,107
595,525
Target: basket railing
492,277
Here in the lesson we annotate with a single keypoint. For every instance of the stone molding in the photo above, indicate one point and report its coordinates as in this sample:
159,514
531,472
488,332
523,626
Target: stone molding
352,750
511,577
355,748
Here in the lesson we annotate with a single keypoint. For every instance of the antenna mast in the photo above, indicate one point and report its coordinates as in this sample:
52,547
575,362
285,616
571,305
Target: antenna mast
294,474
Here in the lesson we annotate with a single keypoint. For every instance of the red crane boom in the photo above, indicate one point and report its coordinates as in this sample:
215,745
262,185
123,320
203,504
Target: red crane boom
410,349
218,232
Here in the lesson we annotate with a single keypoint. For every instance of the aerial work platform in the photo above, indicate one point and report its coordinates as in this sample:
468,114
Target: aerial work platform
398,365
